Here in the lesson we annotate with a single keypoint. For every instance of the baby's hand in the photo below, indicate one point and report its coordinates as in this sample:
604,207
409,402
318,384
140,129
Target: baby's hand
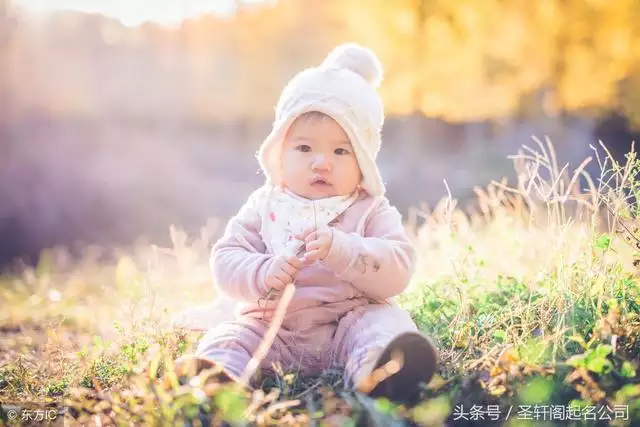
318,244
282,271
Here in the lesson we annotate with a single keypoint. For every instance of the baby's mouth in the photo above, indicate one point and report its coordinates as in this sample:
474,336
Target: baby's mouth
319,181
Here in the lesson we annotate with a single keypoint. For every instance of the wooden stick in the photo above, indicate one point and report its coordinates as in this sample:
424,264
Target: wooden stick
265,345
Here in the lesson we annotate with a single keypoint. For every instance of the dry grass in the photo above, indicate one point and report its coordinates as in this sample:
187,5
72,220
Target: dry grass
532,298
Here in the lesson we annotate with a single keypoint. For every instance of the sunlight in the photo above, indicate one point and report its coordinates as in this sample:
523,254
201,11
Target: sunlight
135,12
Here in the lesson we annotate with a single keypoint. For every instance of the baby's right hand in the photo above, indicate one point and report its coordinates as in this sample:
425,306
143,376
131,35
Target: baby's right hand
282,271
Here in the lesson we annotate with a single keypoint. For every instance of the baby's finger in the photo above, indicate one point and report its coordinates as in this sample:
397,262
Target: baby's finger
285,277
316,244
312,256
311,237
290,270
294,262
275,283
280,283
303,235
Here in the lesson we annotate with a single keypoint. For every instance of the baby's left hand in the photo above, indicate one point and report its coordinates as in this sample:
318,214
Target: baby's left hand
318,244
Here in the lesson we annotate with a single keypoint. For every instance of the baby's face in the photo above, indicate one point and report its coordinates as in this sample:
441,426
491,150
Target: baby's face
318,160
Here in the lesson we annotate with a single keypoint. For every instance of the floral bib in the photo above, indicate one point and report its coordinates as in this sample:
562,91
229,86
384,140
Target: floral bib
288,215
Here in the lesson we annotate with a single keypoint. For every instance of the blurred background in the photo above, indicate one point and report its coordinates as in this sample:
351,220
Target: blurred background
119,118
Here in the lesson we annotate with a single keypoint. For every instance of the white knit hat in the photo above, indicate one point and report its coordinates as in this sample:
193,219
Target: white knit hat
344,88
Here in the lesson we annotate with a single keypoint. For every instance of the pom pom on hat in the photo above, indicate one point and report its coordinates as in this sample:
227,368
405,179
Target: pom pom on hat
357,58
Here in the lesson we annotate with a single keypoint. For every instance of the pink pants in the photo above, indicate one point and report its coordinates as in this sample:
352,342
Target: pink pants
353,342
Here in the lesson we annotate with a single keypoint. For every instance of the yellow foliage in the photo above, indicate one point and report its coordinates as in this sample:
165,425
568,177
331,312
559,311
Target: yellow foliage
471,60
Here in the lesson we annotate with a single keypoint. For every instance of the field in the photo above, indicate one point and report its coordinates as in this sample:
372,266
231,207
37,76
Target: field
531,295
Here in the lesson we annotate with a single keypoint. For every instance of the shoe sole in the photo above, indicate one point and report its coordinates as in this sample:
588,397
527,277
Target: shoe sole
419,365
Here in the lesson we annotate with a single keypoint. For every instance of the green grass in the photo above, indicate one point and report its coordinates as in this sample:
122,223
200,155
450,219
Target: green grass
533,301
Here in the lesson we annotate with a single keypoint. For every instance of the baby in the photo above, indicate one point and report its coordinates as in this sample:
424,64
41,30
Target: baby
321,221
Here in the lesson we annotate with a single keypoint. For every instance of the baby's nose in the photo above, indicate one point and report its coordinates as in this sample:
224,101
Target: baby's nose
320,161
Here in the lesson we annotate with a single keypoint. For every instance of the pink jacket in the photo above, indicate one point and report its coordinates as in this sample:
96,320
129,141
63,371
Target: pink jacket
371,259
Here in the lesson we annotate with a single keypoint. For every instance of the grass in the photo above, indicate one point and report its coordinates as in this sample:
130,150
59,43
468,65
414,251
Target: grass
531,295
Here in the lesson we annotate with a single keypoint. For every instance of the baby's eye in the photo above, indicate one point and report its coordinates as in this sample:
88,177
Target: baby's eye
304,148
341,151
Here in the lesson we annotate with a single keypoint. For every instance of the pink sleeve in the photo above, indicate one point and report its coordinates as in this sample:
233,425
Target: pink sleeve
238,260
381,263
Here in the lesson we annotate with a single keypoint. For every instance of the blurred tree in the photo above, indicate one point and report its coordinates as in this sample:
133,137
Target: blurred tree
469,60
628,94
274,43
238,67
463,60
441,58
593,42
